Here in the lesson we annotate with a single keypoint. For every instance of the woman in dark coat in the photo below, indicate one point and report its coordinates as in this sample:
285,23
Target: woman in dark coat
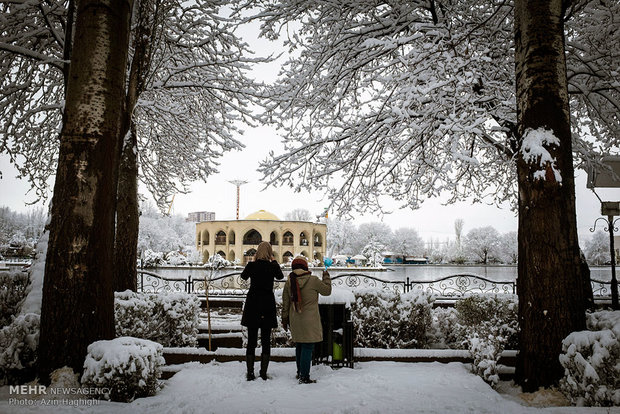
260,306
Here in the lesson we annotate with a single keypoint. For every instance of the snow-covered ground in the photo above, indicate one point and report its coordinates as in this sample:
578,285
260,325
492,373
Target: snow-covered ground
372,387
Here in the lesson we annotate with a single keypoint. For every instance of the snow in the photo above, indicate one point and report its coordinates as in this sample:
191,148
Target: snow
591,360
120,352
339,295
32,303
371,387
411,353
534,151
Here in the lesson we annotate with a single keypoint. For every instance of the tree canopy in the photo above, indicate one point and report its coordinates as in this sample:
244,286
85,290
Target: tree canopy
196,94
413,99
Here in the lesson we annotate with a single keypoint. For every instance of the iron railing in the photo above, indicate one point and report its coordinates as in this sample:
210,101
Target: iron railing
454,286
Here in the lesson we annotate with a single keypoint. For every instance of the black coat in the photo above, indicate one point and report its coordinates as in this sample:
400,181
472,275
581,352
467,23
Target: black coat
260,303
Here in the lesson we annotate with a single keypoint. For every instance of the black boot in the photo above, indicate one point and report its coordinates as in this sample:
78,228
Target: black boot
306,380
249,361
264,363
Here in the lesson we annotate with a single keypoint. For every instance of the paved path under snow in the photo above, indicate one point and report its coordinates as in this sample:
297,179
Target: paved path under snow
372,387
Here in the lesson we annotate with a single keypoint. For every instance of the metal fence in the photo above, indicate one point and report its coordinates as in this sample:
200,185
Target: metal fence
455,286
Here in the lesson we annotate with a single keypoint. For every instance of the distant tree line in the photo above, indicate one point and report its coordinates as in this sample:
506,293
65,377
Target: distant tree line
19,232
479,245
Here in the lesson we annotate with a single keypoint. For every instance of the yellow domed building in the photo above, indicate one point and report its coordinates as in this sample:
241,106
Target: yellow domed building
238,239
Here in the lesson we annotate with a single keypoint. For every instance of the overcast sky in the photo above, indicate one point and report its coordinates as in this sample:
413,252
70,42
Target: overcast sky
218,195
432,220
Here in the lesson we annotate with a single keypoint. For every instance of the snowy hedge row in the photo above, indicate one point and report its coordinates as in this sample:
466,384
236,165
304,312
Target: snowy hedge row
13,289
388,319
486,325
170,319
492,326
591,361
128,367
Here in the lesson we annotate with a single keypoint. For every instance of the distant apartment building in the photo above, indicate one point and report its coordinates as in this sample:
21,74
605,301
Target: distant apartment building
199,216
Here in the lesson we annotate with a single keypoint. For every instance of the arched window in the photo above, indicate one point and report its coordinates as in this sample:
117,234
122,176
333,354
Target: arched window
220,237
318,256
232,256
231,237
205,237
318,239
252,237
205,256
248,256
304,254
273,238
199,239
303,239
287,239
287,257
221,253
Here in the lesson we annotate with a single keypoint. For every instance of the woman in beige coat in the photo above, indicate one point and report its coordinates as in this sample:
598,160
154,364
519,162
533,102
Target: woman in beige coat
300,310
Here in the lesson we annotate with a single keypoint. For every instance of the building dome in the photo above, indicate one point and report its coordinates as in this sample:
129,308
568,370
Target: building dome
262,215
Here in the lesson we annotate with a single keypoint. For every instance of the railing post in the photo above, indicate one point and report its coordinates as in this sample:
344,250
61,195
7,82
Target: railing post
407,286
188,284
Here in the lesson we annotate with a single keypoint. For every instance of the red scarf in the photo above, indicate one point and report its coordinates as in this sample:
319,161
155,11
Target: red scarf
295,290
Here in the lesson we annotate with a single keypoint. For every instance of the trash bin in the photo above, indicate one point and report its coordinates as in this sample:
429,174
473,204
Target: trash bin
336,349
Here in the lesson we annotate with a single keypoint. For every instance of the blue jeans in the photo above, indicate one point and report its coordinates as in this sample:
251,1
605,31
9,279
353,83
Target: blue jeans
303,358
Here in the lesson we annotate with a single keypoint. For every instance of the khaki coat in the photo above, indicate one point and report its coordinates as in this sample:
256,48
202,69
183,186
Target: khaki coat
305,326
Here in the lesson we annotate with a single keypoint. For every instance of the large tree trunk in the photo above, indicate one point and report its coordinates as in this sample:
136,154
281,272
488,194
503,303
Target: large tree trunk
77,306
126,248
127,217
549,285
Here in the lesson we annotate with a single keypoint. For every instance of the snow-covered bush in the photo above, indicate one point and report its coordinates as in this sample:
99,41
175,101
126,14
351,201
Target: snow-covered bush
446,331
591,361
170,319
486,349
492,326
217,262
388,319
19,342
279,337
491,314
176,258
151,258
13,288
128,367
194,257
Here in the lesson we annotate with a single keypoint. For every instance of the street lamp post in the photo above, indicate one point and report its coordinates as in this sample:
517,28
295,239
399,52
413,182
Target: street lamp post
607,175
611,209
